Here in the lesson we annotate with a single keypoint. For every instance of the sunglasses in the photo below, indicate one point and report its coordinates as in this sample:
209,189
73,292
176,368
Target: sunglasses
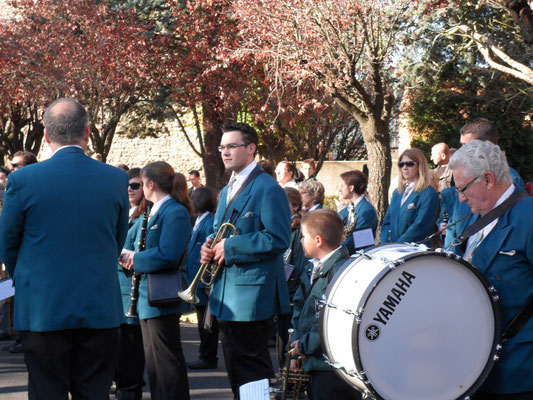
16,165
409,164
135,186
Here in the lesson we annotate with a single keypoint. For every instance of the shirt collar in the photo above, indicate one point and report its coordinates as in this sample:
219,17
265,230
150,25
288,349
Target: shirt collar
157,205
241,176
200,219
64,147
315,261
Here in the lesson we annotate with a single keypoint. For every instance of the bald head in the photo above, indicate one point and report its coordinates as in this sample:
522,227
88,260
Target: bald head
65,122
440,154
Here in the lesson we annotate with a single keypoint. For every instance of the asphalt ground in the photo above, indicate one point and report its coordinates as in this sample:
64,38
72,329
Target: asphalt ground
204,384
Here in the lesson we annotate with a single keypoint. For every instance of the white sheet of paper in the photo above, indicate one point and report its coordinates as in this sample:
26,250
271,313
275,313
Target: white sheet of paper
126,251
363,237
6,288
257,390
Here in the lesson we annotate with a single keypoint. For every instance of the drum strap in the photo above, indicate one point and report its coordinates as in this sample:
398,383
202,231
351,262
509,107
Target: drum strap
519,320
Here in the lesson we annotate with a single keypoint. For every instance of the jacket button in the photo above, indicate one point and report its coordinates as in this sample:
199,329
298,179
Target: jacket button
498,278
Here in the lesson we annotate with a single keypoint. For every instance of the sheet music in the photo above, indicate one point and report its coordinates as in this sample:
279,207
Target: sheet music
6,288
257,390
363,237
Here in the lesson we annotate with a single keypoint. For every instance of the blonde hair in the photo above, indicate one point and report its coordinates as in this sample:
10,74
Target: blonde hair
425,177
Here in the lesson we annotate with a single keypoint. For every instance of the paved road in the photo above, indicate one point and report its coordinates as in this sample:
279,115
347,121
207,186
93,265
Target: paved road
206,384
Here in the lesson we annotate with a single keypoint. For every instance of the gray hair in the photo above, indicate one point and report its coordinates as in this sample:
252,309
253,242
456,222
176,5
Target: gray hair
65,121
478,157
315,189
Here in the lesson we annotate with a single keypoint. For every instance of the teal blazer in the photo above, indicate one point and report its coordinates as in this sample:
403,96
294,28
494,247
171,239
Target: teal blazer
505,258
515,177
167,235
205,228
414,220
305,319
252,285
365,216
62,228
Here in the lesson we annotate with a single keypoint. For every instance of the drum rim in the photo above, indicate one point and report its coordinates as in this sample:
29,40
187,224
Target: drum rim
496,345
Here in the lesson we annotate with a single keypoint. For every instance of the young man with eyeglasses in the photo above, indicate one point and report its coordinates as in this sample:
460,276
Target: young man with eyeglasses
251,287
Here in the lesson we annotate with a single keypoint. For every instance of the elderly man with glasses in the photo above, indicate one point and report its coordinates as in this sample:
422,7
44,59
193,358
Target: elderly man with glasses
502,251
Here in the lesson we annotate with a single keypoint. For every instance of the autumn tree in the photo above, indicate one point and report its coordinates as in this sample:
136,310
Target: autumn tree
345,46
86,50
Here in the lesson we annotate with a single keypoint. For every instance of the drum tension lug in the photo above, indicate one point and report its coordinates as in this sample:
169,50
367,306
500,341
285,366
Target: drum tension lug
320,304
361,253
392,265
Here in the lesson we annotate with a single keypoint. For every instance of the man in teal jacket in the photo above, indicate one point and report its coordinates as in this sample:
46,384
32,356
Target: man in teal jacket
62,228
251,288
503,253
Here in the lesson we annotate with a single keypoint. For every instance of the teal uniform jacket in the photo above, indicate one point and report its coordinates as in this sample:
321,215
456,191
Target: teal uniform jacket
517,180
365,216
505,258
125,282
199,235
414,220
167,236
304,319
297,259
62,228
251,285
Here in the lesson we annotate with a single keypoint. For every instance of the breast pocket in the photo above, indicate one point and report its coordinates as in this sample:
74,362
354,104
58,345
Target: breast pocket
250,223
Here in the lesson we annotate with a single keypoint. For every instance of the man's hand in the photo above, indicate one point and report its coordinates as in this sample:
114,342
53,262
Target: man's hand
206,254
219,252
441,227
295,351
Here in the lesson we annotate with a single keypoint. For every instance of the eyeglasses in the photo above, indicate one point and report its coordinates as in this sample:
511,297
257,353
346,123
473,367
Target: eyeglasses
231,146
409,164
135,185
463,190
16,165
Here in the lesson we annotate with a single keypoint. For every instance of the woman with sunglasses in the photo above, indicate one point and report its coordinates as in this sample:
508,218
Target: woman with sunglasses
413,209
167,234
130,361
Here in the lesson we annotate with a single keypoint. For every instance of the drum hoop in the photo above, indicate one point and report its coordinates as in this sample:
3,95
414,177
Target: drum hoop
495,310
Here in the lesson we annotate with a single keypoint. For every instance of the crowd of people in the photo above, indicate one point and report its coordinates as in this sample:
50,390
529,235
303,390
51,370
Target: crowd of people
77,234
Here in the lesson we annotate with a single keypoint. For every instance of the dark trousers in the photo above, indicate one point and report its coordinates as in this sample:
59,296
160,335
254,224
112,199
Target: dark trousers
513,396
167,372
130,361
327,385
81,361
246,354
208,339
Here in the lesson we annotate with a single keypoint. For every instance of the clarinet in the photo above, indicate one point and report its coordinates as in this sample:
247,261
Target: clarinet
136,277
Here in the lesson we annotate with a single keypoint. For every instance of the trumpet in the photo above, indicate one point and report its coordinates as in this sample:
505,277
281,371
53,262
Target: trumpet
299,378
207,272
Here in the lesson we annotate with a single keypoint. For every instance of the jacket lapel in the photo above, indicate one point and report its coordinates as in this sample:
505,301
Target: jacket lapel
489,247
155,217
241,200
411,199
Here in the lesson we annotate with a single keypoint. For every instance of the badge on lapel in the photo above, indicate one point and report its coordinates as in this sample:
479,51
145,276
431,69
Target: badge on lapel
411,206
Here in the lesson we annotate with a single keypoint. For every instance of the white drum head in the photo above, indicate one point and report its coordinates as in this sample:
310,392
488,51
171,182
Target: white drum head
427,331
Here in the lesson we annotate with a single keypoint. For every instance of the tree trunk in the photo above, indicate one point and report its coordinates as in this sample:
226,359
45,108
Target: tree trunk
214,169
377,139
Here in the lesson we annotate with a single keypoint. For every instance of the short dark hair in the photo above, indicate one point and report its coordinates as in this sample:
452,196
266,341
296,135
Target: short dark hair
134,173
28,157
194,172
4,170
325,223
123,167
249,134
267,167
310,161
482,129
203,200
357,179
67,125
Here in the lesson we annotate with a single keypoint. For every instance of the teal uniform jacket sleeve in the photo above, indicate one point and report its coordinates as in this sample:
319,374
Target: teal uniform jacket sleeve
12,217
386,233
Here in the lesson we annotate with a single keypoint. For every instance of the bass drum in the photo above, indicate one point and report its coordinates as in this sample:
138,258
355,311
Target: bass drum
399,322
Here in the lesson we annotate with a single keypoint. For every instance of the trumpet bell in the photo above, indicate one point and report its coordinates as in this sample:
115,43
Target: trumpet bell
189,296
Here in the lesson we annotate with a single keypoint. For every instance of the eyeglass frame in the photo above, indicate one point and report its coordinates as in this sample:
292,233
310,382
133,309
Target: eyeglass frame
463,190
17,165
401,164
231,146
135,183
